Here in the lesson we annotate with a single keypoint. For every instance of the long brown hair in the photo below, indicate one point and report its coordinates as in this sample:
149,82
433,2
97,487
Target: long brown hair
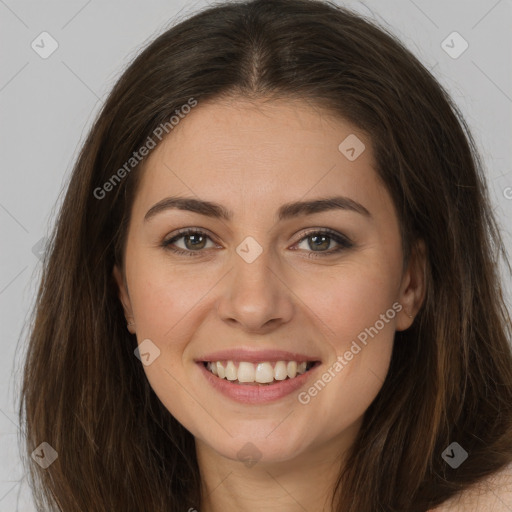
450,380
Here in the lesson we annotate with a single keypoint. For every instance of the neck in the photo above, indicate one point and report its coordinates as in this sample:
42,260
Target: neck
304,482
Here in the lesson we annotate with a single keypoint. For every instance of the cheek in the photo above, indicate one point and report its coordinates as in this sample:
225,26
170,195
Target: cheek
163,297
167,307
351,299
357,318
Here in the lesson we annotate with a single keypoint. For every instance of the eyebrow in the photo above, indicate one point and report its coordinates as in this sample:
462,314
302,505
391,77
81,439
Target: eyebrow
286,211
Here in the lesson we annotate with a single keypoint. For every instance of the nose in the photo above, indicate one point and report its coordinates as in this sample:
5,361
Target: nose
255,296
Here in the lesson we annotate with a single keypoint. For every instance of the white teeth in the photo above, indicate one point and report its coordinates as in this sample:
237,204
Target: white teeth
220,370
291,369
245,372
231,373
280,372
262,373
301,367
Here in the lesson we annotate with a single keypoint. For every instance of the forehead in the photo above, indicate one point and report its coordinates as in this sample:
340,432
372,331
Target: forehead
256,153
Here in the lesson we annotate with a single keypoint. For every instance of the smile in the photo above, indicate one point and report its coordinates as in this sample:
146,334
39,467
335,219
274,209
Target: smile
261,373
257,376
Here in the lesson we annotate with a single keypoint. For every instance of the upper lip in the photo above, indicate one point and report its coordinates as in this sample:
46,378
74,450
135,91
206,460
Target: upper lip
255,356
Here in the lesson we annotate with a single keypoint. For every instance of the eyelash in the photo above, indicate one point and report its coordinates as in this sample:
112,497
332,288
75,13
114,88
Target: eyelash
343,241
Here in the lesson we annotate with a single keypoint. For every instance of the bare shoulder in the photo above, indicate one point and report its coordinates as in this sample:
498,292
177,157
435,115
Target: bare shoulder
494,494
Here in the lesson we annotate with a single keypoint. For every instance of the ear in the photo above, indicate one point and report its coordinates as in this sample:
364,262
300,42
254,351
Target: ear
412,288
124,297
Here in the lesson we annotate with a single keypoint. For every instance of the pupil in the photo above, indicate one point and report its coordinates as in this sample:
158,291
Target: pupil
195,242
321,239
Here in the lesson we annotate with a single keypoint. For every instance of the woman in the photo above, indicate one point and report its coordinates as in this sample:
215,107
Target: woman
272,284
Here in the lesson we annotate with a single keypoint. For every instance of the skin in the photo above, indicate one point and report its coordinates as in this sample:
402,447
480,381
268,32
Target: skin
253,157
493,494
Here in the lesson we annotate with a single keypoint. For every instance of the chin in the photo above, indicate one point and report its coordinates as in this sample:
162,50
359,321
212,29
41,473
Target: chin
250,449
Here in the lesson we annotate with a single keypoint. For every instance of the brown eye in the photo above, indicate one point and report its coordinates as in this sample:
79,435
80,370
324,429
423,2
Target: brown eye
322,242
193,242
188,242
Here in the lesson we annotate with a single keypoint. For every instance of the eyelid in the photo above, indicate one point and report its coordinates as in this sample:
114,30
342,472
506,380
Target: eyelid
188,231
180,233
325,231
342,240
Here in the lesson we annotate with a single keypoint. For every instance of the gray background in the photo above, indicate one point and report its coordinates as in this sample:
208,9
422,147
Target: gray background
47,106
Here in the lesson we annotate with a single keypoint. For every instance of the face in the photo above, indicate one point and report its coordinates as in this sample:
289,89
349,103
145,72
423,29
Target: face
262,271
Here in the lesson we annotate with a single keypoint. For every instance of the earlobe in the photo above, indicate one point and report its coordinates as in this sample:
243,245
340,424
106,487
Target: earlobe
124,298
412,290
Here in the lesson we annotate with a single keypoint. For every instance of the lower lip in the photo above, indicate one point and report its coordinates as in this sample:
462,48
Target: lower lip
256,394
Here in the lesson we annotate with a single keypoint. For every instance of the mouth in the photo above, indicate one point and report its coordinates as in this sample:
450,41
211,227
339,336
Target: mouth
257,377
262,373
